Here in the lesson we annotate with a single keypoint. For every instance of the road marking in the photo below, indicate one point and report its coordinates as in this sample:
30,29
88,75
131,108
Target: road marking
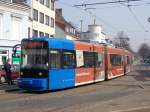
133,109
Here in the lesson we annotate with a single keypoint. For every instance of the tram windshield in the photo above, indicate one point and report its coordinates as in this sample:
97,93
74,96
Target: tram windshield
33,57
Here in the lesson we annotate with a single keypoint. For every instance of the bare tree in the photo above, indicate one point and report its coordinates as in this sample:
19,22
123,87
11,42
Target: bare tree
144,50
122,40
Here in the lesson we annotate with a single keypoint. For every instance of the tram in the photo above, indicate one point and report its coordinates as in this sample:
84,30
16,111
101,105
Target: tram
58,63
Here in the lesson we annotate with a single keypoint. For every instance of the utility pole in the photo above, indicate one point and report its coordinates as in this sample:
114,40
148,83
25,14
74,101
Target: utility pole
94,20
147,30
81,21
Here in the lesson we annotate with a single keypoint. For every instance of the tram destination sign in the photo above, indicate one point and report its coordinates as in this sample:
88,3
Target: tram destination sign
34,44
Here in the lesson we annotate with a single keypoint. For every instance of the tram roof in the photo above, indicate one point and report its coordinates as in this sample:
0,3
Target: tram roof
56,43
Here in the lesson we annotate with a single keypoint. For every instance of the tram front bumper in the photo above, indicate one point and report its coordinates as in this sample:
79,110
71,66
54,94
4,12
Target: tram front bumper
32,84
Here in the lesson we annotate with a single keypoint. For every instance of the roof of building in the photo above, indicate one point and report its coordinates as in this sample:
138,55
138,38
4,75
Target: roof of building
18,2
22,2
60,20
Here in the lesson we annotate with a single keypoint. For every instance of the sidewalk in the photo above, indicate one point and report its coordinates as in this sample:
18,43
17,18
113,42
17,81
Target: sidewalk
7,88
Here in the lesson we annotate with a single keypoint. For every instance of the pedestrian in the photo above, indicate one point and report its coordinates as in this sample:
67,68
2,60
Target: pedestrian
7,68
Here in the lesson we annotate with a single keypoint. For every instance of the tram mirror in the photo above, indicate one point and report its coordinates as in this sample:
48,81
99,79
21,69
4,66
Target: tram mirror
2,67
14,51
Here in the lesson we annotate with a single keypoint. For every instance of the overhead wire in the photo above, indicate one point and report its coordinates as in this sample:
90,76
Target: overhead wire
103,21
103,3
90,13
141,4
134,16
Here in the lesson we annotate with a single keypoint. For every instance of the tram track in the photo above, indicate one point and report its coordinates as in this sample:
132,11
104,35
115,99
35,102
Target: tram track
65,101
115,94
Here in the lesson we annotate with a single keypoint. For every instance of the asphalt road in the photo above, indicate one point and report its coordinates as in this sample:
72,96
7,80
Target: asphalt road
130,93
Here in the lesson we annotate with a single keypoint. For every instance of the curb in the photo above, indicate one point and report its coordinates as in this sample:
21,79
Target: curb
2,91
12,90
9,90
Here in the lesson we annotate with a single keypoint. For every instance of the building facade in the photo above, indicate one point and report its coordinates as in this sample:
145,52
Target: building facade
24,19
63,28
94,34
42,16
14,24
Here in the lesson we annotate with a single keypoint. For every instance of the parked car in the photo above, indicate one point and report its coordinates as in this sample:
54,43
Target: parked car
15,73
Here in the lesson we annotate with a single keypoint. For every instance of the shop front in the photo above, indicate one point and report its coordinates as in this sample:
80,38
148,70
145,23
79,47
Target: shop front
6,51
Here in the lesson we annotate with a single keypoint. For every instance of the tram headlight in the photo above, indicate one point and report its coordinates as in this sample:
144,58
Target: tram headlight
40,74
21,73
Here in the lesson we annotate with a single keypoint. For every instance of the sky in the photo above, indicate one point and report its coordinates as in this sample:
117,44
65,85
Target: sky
113,18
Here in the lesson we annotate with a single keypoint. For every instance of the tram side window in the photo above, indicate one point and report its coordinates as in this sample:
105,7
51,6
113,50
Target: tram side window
98,60
55,62
89,59
68,59
116,59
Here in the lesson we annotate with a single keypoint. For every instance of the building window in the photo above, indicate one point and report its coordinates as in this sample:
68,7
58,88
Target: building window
51,35
35,33
47,20
42,2
52,4
47,3
74,31
1,26
41,34
35,14
70,30
67,30
41,17
46,35
52,22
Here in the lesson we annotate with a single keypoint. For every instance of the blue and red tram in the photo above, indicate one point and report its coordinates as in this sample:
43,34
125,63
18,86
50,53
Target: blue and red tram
54,63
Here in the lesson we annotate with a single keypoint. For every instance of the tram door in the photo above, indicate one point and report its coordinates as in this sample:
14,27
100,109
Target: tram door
61,73
106,63
85,64
125,64
99,70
